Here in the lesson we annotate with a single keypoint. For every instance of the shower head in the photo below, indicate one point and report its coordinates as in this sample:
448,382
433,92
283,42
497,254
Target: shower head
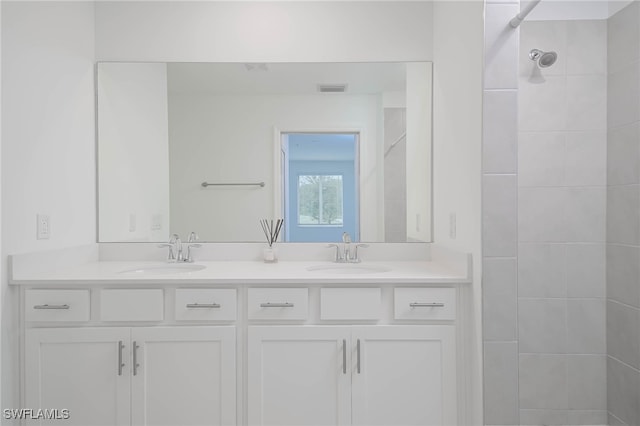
543,59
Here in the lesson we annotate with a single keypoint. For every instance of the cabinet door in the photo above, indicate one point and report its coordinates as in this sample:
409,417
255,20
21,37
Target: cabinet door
78,369
299,376
184,376
404,375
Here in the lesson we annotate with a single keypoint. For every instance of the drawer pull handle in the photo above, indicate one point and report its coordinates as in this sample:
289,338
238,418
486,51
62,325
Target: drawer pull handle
276,305
120,363
426,305
65,306
203,305
135,358
358,351
344,356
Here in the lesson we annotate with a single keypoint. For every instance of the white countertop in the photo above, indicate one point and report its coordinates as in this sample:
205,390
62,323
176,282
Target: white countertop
244,272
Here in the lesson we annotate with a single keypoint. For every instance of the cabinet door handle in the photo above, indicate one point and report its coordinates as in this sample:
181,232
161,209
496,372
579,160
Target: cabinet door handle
344,356
276,305
426,305
203,305
135,358
65,306
120,363
358,352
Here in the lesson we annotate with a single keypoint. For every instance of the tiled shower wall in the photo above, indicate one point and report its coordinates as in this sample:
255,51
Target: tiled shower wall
623,218
561,224
544,201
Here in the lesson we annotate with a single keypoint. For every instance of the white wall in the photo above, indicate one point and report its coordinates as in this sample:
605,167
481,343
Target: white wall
48,140
133,152
264,31
457,135
211,141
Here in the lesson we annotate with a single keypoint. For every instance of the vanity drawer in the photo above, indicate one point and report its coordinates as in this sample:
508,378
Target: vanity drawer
277,303
205,305
425,303
132,305
57,305
350,303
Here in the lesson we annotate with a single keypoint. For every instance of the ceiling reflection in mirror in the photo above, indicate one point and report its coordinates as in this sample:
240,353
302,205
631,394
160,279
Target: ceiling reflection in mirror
215,147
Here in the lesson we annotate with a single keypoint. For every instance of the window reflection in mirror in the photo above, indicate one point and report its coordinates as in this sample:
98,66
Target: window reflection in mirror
319,179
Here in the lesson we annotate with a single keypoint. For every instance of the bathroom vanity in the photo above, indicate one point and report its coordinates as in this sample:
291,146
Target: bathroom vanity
244,342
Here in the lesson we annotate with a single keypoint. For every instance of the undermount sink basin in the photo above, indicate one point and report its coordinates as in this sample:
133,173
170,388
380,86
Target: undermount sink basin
168,269
349,268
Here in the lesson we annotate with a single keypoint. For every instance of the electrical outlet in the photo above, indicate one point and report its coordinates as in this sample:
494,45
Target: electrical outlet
132,222
43,226
156,222
452,226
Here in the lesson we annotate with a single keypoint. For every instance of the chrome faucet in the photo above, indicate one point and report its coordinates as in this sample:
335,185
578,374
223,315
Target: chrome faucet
346,250
344,255
191,244
175,249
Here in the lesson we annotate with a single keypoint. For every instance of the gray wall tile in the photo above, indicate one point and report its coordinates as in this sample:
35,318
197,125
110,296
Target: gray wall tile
587,102
623,337
541,270
542,326
500,299
541,159
544,417
501,383
543,107
623,392
500,133
541,214
499,228
586,327
543,381
623,101
587,378
587,47
586,158
585,214
623,274
588,417
501,47
586,273
623,40
623,214
623,155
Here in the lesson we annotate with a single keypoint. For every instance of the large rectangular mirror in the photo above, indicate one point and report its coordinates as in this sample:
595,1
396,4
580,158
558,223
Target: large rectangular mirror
215,147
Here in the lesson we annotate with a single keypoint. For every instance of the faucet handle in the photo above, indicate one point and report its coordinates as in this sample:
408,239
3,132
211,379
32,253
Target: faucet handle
193,237
172,255
338,257
190,246
356,258
346,238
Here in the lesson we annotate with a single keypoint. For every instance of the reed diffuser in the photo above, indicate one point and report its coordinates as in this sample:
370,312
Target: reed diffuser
271,230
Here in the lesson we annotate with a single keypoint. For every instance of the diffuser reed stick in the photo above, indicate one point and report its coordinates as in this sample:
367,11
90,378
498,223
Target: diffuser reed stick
271,230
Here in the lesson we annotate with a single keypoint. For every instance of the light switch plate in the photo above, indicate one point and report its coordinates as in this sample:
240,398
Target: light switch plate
43,226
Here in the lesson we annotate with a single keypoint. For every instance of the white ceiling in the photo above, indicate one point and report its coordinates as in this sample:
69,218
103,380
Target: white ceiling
285,78
561,10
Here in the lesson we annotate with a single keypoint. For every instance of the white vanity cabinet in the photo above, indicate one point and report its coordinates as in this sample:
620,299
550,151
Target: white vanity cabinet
326,353
341,375
382,371
78,369
130,374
